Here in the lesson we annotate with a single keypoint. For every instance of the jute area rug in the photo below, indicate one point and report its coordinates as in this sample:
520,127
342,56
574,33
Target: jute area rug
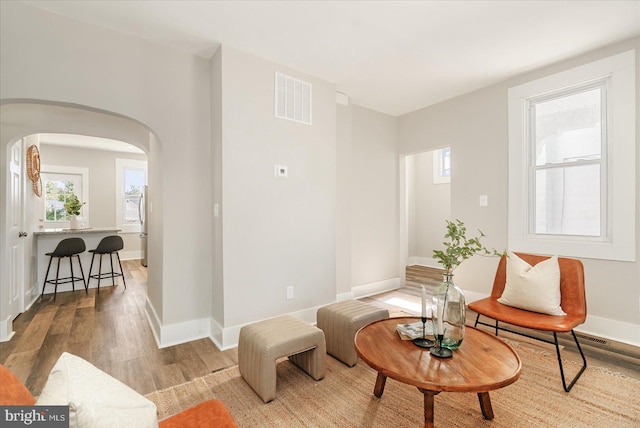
344,398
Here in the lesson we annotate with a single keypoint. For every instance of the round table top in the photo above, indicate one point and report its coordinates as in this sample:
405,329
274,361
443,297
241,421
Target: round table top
482,363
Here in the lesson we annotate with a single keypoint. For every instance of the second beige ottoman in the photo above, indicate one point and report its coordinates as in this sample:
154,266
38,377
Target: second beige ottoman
340,321
262,343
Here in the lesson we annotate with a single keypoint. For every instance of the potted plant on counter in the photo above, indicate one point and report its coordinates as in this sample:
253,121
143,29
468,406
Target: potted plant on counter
73,207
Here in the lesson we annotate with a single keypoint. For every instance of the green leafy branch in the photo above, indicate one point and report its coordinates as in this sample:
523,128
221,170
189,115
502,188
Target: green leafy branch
459,248
73,205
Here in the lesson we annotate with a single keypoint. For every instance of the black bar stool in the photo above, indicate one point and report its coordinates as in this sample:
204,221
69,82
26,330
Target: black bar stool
66,248
108,245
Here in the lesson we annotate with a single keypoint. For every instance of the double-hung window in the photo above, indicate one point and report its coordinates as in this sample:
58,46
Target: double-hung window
131,176
60,182
568,162
572,162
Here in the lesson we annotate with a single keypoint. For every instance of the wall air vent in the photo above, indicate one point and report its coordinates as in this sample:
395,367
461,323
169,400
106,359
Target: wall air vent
293,99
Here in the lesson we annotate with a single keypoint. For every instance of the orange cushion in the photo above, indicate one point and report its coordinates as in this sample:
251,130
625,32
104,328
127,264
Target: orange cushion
12,390
211,413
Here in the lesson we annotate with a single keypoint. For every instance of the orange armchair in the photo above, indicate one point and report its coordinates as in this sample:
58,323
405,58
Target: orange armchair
210,413
573,302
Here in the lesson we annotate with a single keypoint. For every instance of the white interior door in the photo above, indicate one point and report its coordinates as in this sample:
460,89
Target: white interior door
15,228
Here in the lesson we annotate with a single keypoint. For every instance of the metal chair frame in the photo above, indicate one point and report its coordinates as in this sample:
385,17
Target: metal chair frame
62,246
112,274
553,342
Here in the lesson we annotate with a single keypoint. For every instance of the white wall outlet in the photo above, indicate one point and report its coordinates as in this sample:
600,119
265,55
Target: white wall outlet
289,293
280,171
216,210
484,200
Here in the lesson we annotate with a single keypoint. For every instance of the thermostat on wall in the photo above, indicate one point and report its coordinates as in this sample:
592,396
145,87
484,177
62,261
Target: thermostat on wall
280,171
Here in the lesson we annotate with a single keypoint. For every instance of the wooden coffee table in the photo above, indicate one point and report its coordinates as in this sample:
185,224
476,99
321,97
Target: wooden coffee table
481,364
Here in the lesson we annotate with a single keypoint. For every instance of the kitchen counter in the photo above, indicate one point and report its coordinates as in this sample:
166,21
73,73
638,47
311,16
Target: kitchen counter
48,239
66,231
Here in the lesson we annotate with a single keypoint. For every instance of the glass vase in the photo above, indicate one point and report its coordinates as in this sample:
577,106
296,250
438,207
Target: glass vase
448,313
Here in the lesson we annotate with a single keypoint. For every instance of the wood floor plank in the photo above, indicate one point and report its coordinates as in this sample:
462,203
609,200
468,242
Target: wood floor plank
189,361
37,330
168,376
52,347
21,363
214,360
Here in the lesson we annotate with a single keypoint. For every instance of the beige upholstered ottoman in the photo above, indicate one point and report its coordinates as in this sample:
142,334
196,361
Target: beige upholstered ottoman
340,321
262,343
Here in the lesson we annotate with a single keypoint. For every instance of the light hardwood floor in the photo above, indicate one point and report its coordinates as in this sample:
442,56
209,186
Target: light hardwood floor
111,331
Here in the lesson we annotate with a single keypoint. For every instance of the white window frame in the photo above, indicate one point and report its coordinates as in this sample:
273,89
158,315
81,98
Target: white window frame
84,197
121,165
619,242
439,177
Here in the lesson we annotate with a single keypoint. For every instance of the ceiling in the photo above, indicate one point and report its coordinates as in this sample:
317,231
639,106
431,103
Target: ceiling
87,142
391,56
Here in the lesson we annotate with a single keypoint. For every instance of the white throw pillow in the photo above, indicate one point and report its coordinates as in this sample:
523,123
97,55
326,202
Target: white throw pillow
534,288
95,399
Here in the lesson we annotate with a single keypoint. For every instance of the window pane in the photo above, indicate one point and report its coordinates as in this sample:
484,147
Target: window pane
446,162
57,189
568,129
568,201
133,181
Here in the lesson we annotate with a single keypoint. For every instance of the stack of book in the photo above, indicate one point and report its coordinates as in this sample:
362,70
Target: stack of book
414,330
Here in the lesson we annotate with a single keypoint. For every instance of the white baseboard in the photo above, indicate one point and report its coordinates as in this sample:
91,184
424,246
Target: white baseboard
595,326
154,321
423,261
175,334
227,338
6,330
344,296
130,255
618,331
365,290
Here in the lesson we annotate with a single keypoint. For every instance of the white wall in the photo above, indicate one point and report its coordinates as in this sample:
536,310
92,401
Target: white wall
475,126
375,241
65,61
343,200
276,233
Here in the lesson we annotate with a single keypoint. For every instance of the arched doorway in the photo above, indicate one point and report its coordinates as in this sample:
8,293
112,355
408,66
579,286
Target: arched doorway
21,118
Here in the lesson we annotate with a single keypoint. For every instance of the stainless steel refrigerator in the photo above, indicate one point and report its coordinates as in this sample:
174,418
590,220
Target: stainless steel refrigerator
143,209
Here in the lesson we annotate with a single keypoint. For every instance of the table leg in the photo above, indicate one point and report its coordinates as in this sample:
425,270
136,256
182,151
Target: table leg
429,400
485,405
380,382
